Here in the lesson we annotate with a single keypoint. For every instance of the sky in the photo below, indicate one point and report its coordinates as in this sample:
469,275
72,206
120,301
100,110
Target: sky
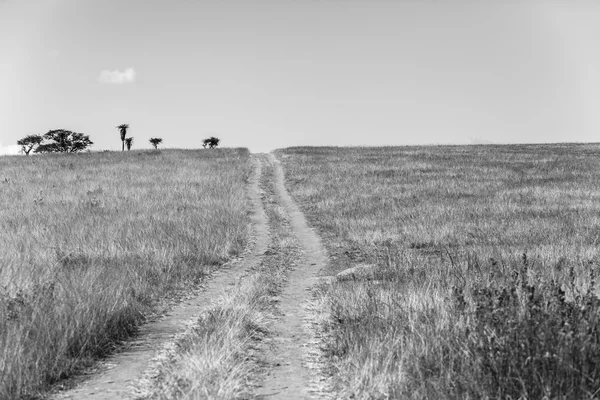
267,74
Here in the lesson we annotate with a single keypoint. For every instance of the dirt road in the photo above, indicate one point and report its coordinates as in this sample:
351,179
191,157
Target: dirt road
290,377
288,371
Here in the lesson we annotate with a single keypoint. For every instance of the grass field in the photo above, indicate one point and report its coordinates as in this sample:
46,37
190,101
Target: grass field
485,257
91,242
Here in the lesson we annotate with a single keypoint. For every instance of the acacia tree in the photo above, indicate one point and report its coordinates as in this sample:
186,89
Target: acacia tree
64,141
211,142
129,142
29,142
123,130
155,142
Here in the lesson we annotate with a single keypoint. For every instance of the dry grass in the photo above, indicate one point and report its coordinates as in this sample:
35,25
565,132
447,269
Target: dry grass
212,361
91,242
486,260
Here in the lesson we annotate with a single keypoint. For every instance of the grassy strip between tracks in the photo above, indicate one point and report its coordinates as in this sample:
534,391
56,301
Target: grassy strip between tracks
92,242
484,263
220,357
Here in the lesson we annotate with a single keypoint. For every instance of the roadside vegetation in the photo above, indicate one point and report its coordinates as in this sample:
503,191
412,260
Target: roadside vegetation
481,268
92,242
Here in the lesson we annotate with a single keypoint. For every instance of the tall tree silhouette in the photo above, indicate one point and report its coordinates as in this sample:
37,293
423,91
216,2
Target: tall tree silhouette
123,130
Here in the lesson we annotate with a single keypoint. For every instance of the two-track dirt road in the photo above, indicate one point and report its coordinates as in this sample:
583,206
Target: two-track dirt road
290,377
287,373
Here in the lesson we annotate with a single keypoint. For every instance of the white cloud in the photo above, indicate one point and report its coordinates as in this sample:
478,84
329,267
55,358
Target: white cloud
10,149
117,76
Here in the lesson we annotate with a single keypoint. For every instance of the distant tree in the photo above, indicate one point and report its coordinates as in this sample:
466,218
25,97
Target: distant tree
64,141
29,142
211,142
129,142
155,142
123,130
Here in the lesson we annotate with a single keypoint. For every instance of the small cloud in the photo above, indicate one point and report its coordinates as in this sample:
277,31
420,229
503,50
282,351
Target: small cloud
117,77
11,149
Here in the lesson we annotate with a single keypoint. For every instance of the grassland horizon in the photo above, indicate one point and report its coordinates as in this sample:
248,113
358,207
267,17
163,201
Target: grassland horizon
482,265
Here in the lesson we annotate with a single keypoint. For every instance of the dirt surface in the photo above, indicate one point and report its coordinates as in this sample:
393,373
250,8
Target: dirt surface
290,376
118,376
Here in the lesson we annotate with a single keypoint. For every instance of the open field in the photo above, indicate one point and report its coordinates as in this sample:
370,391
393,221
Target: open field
478,274
485,261
91,242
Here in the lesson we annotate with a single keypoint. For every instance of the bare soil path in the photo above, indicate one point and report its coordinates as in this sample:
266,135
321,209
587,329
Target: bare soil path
290,375
116,376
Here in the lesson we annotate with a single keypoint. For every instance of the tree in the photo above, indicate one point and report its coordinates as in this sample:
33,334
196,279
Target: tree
29,142
123,130
64,141
155,142
129,142
211,142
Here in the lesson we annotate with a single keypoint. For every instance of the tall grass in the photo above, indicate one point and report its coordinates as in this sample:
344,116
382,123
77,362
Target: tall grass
91,242
486,261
